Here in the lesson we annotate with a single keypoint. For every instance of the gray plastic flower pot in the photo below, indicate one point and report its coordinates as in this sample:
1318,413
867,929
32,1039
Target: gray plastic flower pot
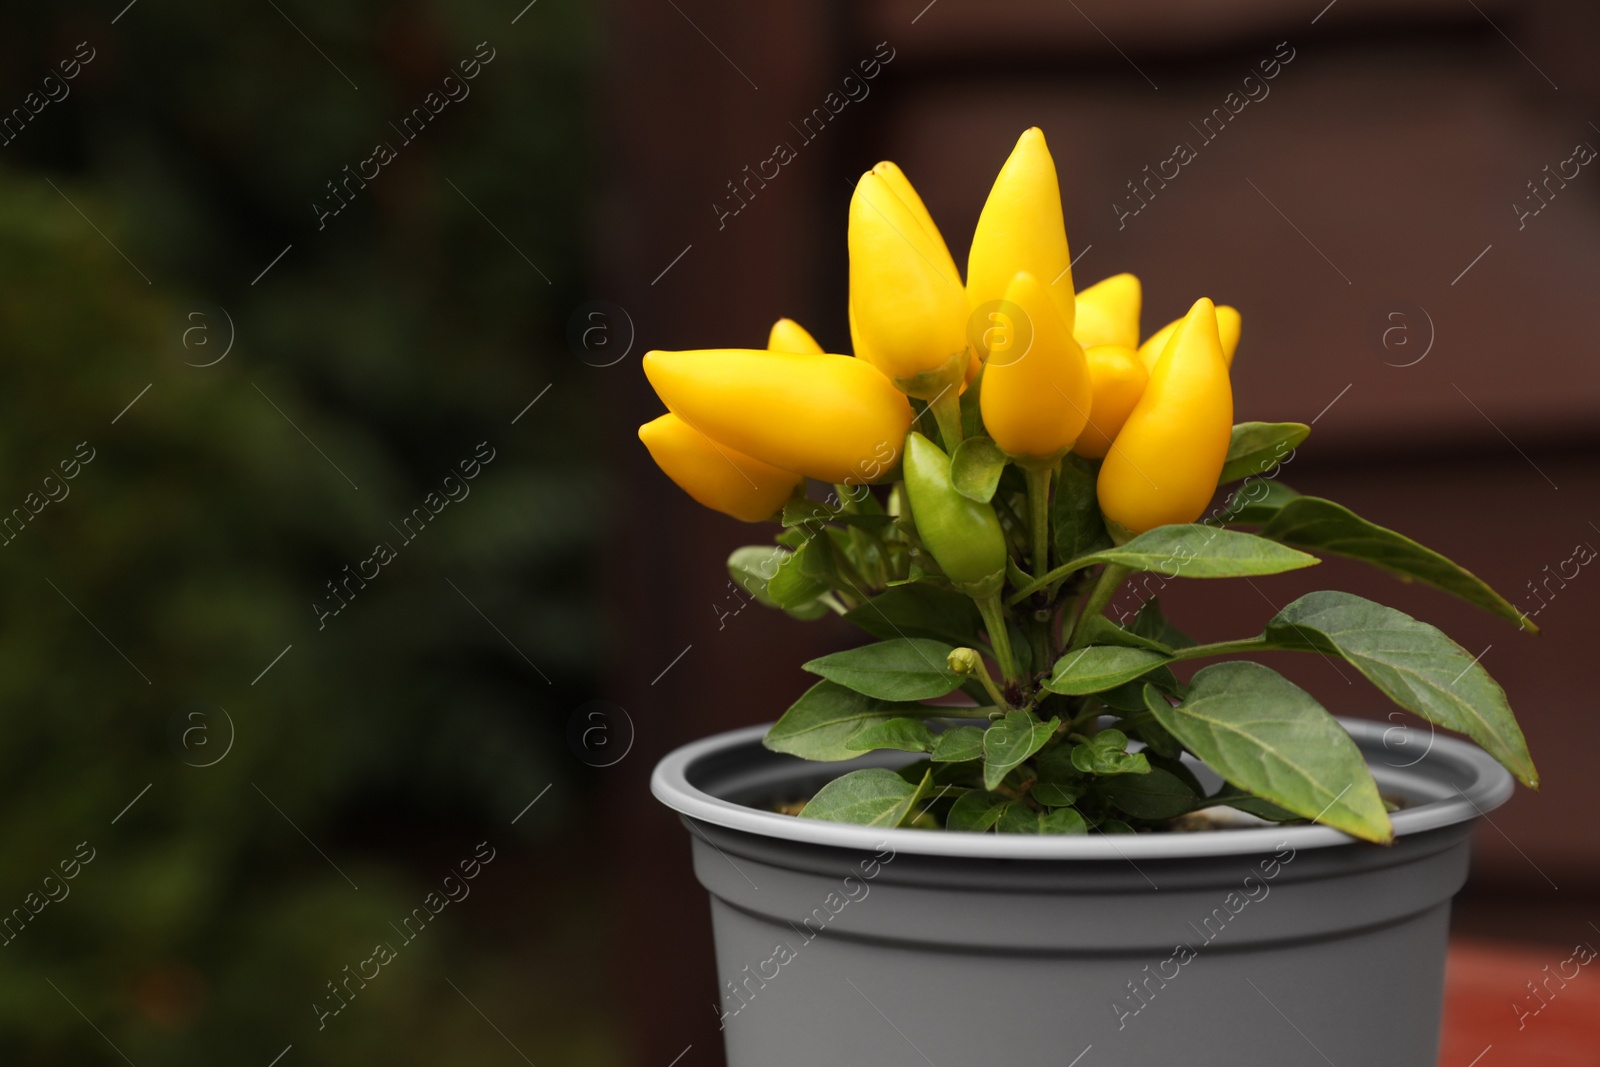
1271,945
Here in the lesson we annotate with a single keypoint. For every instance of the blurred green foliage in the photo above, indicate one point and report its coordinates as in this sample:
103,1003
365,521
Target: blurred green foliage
189,552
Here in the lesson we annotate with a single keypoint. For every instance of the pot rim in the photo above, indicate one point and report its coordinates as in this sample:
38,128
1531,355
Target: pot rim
1480,783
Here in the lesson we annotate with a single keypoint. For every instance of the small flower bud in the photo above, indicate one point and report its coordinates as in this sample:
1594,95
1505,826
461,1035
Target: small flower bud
965,661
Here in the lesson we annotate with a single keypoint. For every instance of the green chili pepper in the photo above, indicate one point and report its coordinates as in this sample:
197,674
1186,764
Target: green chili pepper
963,535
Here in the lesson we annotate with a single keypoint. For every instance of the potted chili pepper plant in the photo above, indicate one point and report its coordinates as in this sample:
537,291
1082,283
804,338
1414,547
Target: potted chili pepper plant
1014,826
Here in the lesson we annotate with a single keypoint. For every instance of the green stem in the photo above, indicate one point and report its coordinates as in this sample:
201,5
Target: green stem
1223,648
1099,597
1041,644
947,413
1038,477
1069,567
1068,616
994,620
855,579
832,603
870,550
1054,589
1039,512
999,698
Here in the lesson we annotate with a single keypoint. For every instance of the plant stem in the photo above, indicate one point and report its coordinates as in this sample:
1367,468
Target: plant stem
1040,634
994,620
1099,597
1223,648
1048,577
947,413
999,698
1042,629
1039,512
864,545
847,570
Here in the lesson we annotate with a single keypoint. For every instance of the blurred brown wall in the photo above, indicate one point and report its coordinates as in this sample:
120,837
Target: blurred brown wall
1373,177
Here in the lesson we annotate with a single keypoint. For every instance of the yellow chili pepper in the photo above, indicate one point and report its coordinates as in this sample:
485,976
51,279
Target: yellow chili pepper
1164,466
1108,312
907,307
1021,229
827,417
897,181
1229,323
1036,393
1119,379
717,476
789,336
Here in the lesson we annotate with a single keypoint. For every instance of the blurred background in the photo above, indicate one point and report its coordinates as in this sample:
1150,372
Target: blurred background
334,567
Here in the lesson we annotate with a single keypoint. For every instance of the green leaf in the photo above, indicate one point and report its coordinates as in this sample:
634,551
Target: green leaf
971,411
815,559
1010,741
1172,764
976,812
1099,630
1320,525
1261,809
1151,623
1197,551
1162,746
858,499
1129,697
952,779
975,468
1258,447
958,745
1021,648
1105,754
1256,501
907,735
1058,794
902,668
873,797
1157,795
1099,667
817,725
920,609
914,772
1267,736
1075,521
1415,665
791,587
1059,783
863,552
816,513
753,567
1019,819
